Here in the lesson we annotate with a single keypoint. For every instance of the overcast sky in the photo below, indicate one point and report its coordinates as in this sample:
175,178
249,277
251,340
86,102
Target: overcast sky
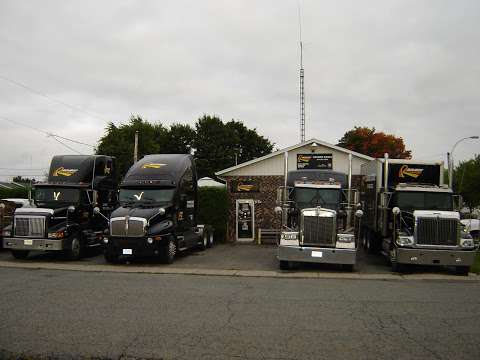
410,68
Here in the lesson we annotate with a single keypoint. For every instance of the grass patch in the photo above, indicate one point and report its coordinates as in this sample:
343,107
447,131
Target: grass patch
476,265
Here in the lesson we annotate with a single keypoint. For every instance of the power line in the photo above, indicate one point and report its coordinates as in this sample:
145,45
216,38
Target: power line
49,134
68,147
58,101
23,169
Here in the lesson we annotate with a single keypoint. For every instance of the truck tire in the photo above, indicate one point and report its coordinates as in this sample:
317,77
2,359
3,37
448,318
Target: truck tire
204,242
396,267
348,267
285,265
20,254
75,251
462,270
169,251
210,239
111,257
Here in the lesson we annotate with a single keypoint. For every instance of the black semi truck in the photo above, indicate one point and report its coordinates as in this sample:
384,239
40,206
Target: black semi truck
66,219
320,218
411,217
158,210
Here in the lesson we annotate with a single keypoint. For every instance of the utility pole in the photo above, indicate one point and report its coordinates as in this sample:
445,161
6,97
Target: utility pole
302,87
135,149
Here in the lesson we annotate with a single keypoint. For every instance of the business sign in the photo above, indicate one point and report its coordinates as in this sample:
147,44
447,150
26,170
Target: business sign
244,186
315,161
413,173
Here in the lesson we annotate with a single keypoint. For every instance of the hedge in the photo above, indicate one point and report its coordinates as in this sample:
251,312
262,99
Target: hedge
14,193
213,210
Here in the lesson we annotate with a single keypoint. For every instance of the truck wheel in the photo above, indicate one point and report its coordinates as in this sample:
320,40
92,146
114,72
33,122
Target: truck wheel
396,267
348,267
169,251
75,251
285,265
462,270
20,254
204,244
111,257
210,239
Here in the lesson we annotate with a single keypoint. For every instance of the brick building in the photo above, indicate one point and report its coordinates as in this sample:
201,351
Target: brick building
252,185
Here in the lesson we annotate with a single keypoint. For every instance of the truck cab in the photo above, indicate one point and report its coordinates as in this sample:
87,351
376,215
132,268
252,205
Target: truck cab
64,219
320,219
158,210
413,218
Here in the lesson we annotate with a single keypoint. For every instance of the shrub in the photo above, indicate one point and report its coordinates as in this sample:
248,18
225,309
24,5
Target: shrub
213,210
14,193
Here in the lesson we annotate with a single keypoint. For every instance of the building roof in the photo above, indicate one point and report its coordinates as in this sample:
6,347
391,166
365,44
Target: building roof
293,147
209,182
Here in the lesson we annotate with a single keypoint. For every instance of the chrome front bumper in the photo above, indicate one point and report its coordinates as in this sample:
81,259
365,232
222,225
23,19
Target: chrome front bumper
436,257
317,255
34,244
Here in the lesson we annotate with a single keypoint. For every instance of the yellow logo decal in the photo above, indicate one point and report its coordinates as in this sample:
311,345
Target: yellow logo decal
244,187
303,158
152,166
406,171
61,171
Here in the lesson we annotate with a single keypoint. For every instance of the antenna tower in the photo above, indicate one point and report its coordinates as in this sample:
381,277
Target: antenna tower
302,88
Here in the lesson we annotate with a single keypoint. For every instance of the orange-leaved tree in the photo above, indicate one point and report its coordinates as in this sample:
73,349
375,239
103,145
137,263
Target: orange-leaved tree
375,144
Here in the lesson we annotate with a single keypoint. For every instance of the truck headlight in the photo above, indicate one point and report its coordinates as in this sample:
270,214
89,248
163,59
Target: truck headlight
467,243
289,236
56,235
6,233
404,240
345,238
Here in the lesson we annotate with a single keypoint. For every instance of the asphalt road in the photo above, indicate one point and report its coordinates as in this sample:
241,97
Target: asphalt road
67,314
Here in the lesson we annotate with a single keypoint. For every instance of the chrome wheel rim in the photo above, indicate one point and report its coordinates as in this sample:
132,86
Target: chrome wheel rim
172,249
205,240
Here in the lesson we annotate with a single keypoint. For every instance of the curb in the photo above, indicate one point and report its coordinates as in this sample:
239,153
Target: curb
129,269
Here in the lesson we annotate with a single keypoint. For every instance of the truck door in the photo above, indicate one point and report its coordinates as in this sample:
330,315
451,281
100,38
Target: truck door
187,207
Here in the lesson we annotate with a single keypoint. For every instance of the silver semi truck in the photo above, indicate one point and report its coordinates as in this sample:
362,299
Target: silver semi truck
320,218
411,217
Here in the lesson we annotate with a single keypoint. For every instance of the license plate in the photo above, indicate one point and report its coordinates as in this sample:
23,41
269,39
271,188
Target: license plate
318,254
127,251
27,242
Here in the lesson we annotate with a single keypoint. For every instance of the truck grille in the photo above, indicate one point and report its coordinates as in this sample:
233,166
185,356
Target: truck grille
128,226
319,230
437,231
30,226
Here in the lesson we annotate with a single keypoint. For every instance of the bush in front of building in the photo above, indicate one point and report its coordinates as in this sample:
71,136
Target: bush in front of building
14,193
213,210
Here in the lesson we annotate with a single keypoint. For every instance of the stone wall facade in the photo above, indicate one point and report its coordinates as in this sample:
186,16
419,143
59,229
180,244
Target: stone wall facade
264,198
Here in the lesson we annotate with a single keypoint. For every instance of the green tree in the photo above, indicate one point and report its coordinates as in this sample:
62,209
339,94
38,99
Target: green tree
375,144
466,180
120,141
179,139
217,144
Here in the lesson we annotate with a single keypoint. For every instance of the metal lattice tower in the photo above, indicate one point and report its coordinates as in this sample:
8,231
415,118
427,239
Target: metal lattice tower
302,97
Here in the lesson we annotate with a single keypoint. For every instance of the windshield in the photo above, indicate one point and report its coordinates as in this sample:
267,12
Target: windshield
311,197
416,200
57,195
146,195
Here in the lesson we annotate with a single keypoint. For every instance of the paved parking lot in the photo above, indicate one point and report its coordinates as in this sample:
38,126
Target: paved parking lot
226,257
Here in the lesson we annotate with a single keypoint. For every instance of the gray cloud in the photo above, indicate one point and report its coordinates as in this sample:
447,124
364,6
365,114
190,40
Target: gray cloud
406,67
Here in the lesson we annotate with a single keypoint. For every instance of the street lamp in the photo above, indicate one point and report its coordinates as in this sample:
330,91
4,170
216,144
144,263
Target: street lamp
450,159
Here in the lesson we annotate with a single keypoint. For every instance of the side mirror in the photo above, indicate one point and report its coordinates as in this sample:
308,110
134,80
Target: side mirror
278,210
359,213
396,211
71,209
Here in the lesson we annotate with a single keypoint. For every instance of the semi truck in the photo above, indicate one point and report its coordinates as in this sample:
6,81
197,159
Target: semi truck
320,218
411,217
158,211
64,219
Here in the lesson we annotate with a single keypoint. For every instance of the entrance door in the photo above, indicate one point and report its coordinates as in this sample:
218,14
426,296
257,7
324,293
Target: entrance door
245,220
